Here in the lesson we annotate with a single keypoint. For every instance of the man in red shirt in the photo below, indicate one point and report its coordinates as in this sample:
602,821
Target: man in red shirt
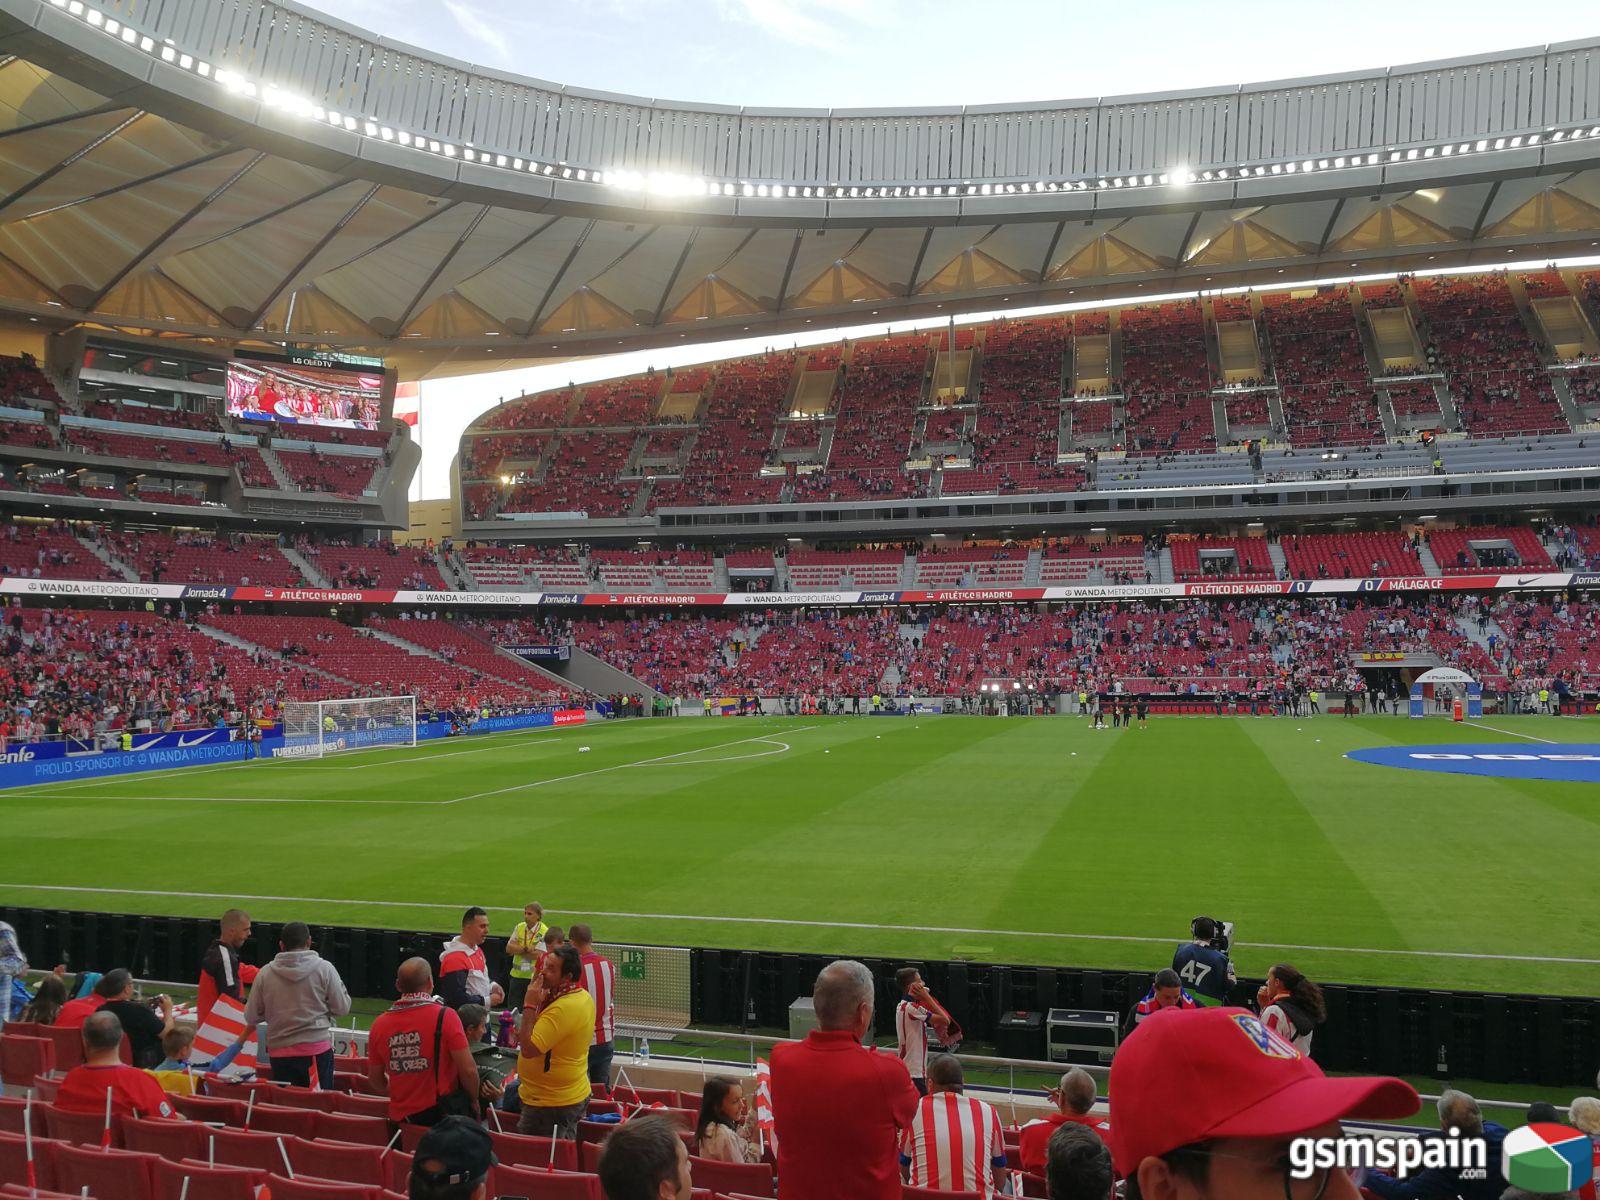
838,1106
133,1092
222,972
418,1052
1075,1099
75,1012
600,981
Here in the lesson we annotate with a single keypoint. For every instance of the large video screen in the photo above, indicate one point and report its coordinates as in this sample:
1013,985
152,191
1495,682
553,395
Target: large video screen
265,390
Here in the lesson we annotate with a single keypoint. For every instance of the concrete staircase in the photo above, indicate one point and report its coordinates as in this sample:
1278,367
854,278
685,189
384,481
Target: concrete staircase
1280,564
105,556
1430,565
1163,566
1469,628
583,670
285,483
303,564
456,580
540,669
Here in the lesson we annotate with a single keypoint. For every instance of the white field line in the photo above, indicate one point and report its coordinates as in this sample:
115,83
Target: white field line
792,922
664,759
1512,733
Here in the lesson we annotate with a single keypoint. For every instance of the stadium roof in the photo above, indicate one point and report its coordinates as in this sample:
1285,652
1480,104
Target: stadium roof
241,169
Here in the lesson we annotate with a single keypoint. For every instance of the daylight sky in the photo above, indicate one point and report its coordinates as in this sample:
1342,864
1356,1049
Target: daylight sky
888,53
850,53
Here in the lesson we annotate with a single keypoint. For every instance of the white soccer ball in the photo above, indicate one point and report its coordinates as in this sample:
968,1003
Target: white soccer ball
827,751
583,749
877,737
1074,754
1319,741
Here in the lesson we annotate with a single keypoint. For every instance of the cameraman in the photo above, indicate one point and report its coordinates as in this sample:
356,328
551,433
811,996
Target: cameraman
1204,967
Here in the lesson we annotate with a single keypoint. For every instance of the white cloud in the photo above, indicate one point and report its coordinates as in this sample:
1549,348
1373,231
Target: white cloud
478,26
819,24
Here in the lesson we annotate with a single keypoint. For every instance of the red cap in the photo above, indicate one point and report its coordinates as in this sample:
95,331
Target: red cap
1189,1075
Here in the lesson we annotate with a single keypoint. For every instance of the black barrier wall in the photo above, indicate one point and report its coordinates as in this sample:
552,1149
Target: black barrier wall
1547,1040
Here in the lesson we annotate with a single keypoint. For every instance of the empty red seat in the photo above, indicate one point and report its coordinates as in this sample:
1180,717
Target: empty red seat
68,1045
241,1148
397,1170
544,1185
344,1161
14,1160
281,1187
278,1118
23,1059
527,1150
368,1131
206,1108
191,1180
84,1129
106,1174
298,1097
745,1179
12,1115
170,1139
362,1106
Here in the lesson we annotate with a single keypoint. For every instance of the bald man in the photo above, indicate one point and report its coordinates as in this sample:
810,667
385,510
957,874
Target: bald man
418,1052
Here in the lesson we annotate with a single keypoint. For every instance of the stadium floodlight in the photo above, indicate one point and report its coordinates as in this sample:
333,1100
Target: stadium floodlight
317,728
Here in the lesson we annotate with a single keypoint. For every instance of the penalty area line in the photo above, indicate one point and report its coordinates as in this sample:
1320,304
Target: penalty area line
795,922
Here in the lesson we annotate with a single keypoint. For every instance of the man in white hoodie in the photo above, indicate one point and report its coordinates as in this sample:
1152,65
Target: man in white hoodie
463,970
298,995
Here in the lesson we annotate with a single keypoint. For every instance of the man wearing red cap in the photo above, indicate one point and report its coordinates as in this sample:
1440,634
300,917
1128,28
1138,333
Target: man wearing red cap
1209,1100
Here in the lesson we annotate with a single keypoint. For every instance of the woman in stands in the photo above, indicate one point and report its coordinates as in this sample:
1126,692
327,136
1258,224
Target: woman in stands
46,1002
723,1129
1291,1006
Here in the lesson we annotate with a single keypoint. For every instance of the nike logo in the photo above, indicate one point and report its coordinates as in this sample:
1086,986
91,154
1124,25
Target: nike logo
1521,582
184,743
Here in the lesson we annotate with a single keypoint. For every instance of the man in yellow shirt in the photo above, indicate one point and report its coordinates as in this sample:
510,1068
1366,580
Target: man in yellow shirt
553,1048
525,946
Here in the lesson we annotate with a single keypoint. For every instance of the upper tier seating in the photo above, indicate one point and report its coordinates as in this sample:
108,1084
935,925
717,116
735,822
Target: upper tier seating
581,477
1327,397
545,410
735,437
385,565
1476,336
626,401
971,566
1167,378
666,570
338,474
1120,561
881,387
522,566
1014,442
23,384
48,552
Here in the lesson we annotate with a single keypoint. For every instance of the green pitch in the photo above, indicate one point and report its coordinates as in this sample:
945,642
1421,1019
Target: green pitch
1024,840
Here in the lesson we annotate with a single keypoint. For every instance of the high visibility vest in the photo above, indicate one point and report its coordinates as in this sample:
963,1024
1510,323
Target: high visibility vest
522,964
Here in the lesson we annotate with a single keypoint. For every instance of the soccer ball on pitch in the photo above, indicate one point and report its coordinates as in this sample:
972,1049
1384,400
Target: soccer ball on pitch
583,749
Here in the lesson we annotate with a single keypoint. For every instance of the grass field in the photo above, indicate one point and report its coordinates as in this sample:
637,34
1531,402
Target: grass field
1025,840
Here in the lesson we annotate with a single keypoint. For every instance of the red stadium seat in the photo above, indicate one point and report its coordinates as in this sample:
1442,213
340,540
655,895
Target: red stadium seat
13,1111
749,1179
526,1150
170,1139
106,1174
368,1131
915,1193
68,1045
193,1180
14,1160
298,1097
241,1148
209,1109
278,1118
82,1129
344,1161
361,1106
24,1059
281,1187
544,1185
397,1170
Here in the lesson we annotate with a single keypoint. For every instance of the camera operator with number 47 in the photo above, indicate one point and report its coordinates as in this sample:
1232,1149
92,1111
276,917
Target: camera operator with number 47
1203,963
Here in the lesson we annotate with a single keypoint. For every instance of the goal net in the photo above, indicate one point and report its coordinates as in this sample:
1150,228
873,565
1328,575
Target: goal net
313,728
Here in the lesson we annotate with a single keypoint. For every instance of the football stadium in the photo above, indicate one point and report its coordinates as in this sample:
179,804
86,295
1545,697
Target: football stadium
559,643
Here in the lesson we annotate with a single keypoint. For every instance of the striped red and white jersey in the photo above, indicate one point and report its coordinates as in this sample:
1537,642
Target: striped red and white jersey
600,981
911,1028
954,1144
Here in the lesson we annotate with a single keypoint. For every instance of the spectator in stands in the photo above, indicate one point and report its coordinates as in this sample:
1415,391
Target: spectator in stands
523,947
417,1053
912,1016
463,970
177,1047
133,1092
299,995
494,1064
1459,1111
75,1012
452,1162
1584,1114
1078,1166
839,1107
954,1142
556,1032
722,1131
1074,1100
1291,1006
1205,968
1207,1102
555,937
1166,991
645,1160
139,1020
48,999
600,981
222,972
13,964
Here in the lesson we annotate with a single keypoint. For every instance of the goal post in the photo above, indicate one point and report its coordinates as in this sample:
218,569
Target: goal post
315,728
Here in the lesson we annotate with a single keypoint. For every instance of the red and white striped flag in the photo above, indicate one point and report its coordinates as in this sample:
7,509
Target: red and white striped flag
766,1127
222,1029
